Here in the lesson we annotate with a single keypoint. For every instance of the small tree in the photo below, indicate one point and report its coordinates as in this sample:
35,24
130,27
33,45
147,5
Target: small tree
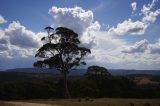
97,71
61,51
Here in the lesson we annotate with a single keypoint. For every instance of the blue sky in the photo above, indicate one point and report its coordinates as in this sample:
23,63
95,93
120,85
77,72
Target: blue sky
117,31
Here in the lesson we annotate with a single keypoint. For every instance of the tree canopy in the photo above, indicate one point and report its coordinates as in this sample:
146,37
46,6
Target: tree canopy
97,71
61,51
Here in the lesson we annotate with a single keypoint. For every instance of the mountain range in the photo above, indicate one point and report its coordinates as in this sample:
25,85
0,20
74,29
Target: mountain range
119,72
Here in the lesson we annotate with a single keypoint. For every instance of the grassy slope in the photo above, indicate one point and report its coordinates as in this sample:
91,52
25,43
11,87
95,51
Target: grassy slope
100,102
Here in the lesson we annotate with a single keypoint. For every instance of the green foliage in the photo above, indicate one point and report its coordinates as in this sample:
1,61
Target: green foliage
97,72
40,86
62,50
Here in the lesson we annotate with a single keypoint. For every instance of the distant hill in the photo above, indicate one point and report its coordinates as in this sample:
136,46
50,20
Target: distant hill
117,72
32,70
1,69
126,72
46,71
29,74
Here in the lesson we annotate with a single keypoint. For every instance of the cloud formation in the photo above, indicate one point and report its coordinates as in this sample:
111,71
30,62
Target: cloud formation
129,27
155,48
143,46
134,7
17,42
76,18
18,35
137,27
2,20
138,47
106,48
83,22
79,20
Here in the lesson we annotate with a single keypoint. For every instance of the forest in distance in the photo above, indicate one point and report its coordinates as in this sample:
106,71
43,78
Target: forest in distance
24,86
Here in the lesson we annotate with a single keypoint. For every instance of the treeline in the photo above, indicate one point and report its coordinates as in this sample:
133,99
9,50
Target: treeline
96,83
115,88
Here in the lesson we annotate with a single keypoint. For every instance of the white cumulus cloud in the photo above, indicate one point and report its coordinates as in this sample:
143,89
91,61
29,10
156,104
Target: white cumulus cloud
18,35
155,48
107,50
143,46
138,47
128,27
134,7
18,42
137,27
2,20
78,19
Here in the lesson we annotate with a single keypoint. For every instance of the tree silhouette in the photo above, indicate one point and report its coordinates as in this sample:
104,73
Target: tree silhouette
97,71
61,51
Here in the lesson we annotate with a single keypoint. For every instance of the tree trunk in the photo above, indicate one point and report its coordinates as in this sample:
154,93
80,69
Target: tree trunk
67,94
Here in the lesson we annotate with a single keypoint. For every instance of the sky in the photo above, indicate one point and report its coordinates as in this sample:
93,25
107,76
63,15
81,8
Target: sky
122,34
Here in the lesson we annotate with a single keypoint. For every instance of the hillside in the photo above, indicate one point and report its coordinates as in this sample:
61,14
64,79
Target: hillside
116,72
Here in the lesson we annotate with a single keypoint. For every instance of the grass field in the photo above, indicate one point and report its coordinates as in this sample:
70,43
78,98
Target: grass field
96,102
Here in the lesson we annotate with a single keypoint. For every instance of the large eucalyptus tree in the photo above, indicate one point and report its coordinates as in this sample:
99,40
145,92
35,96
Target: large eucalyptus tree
61,51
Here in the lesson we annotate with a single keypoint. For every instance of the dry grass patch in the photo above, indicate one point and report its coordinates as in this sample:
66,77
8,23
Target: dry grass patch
99,102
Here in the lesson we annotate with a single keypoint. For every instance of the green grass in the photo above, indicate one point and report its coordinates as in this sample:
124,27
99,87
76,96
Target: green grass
100,102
